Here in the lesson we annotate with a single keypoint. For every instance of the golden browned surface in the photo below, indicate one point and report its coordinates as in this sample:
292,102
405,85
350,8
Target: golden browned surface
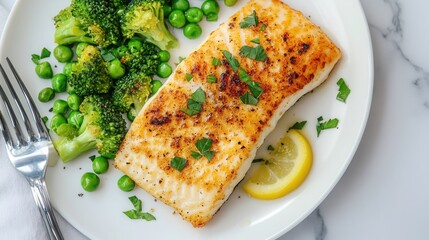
300,57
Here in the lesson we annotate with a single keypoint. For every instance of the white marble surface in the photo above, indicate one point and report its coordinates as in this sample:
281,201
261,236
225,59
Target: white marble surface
383,194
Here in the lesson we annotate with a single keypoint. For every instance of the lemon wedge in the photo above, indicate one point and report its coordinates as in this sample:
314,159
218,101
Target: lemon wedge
288,166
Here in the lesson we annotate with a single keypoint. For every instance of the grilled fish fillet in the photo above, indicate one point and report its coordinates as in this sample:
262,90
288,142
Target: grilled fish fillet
299,58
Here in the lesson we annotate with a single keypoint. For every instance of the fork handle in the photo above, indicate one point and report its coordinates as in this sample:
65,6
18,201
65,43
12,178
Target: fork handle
40,194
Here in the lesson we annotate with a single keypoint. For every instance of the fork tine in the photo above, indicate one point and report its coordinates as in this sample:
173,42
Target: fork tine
41,128
18,103
5,131
14,121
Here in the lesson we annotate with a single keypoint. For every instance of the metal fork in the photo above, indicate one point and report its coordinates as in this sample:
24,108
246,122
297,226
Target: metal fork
28,151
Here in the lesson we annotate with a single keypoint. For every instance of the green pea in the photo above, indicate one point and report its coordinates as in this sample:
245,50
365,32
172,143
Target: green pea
90,181
230,3
194,15
210,9
60,106
74,101
59,82
67,70
75,119
177,18
116,69
70,90
130,115
100,165
167,9
44,70
46,94
164,70
56,121
126,184
156,84
192,30
164,55
63,53
180,4
121,51
134,45
80,47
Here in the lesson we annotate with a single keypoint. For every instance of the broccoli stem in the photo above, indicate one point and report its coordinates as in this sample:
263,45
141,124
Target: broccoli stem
70,148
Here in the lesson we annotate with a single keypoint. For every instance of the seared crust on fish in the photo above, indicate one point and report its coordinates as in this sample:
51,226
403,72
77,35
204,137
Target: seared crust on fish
299,58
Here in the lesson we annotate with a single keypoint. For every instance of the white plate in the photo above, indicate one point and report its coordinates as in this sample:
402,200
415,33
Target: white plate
99,215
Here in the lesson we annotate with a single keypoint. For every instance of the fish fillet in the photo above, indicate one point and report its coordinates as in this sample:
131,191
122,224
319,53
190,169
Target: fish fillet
299,58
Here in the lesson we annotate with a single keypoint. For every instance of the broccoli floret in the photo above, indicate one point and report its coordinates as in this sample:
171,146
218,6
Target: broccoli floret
90,21
144,60
103,129
145,18
131,92
90,74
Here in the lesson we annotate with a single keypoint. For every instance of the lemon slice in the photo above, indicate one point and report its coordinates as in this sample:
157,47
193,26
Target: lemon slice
288,166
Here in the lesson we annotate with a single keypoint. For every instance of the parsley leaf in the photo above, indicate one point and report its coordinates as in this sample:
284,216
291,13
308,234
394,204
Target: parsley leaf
255,40
194,103
189,77
45,53
244,76
257,53
255,89
137,213
199,95
251,20
178,163
263,27
194,108
257,160
196,155
203,145
248,98
343,91
331,123
211,78
298,125
215,61
270,148
35,58
231,60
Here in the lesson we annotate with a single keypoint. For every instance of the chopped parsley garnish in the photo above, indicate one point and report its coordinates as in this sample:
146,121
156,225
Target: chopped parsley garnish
203,145
254,87
248,98
44,54
45,119
251,20
189,77
256,53
199,95
298,125
215,61
255,40
211,78
323,125
343,91
137,212
231,60
194,108
178,163
194,103
270,148
107,55
196,155
263,27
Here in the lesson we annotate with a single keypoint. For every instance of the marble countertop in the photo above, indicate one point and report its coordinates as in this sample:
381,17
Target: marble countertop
382,195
